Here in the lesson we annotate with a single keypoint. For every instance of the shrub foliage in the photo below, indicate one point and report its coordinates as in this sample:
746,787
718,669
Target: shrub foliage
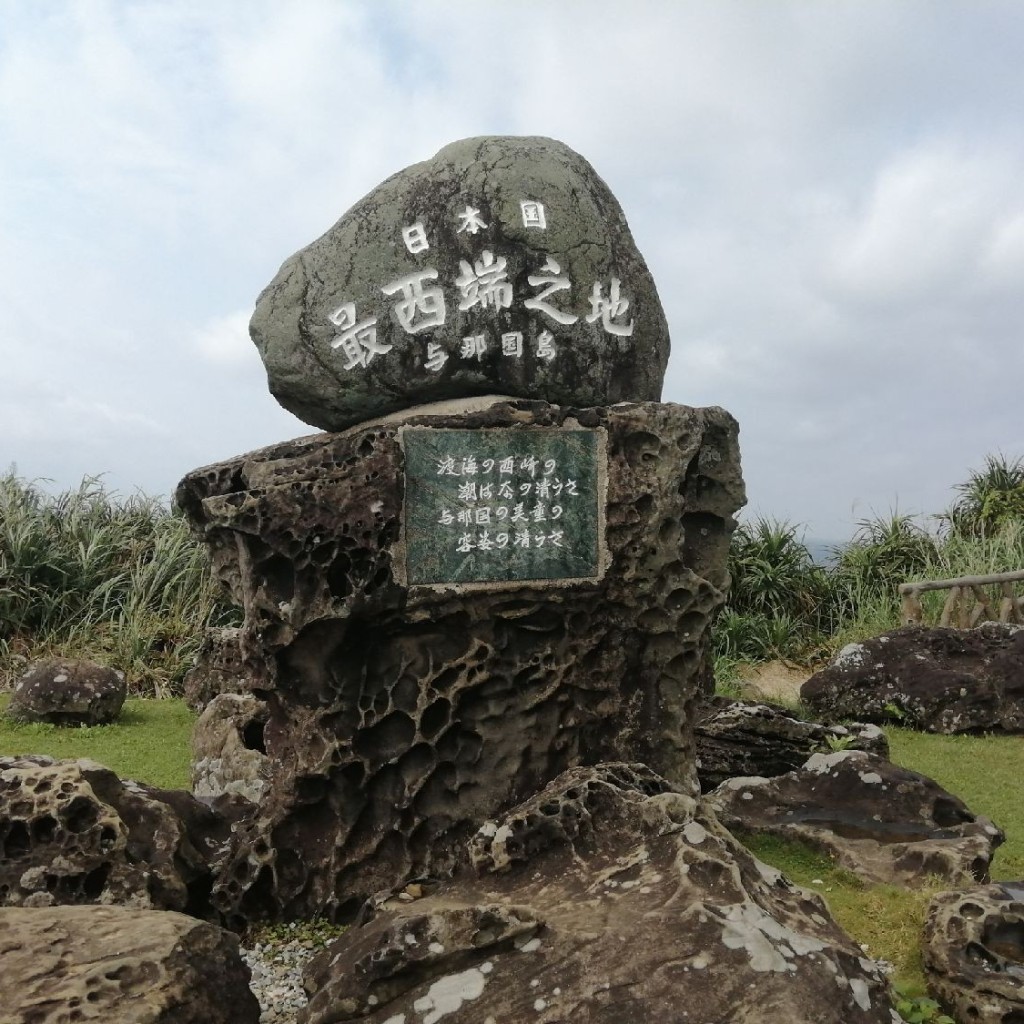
88,574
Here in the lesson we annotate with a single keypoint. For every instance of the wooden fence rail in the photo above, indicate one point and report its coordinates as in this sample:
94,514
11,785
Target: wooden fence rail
963,592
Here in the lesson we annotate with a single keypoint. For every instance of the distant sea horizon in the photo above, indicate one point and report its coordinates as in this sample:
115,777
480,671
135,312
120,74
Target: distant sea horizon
824,552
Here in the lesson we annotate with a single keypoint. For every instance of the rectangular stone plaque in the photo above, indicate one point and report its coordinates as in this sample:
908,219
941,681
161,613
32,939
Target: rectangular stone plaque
503,504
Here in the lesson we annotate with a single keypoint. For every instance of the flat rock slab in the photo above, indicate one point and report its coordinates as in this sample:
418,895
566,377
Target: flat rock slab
72,832
113,965
884,823
68,692
974,952
737,738
401,715
606,898
937,680
504,265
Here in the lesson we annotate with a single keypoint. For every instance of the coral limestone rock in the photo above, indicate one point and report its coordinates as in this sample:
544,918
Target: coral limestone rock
607,897
504,265
229,750
939,680
68,693
73,832
415,689
974,952
884,823
737,738
114,965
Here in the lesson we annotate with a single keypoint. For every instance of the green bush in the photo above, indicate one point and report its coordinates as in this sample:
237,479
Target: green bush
86,573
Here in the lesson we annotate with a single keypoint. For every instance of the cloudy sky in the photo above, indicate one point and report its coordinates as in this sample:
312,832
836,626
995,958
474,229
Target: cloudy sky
830,196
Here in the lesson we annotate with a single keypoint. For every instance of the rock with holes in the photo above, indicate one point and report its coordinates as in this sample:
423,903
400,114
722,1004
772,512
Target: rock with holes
607,897
939,680
738,738
501,266
67,692
73,832
115,965
221,666
973,952
884,823
402,714
229,750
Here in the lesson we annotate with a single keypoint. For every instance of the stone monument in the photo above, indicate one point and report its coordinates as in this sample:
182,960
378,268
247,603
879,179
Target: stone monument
502,561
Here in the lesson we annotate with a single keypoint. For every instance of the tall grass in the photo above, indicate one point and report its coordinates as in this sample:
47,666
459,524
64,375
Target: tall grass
87,573
782,605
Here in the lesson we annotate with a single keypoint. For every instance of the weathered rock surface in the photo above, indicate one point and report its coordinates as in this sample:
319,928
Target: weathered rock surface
400,717
229,750
939,680
221,667
608,897
441,284
73,832
68,692
974,953
737,738
884,823
114,965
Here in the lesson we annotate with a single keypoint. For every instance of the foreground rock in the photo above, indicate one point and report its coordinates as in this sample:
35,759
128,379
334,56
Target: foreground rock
884,823
939,680
72,832
739,738
503,266
608,897
974,953
68,692
229,749
118,966
411,696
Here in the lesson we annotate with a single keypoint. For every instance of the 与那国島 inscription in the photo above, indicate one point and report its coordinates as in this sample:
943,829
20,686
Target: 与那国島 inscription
502,505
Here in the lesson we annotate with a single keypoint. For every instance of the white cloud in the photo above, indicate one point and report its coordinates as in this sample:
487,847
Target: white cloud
225,340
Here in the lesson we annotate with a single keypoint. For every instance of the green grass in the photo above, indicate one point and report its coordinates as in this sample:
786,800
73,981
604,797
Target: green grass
984,771
149,743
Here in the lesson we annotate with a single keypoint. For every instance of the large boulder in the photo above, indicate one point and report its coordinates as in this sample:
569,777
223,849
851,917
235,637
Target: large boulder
973,952
938,680
883,823
607,897
504,265
68,692
423,675
114,965
738,738
73,832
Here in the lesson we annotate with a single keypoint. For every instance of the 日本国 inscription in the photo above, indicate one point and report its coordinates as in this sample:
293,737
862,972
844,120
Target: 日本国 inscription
494,505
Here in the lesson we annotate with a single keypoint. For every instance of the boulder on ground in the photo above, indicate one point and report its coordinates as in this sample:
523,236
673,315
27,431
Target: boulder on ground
607,897
974,952
938,680
229,750
883,823
115,965
72,832
738,738
68,692
503,265
423,675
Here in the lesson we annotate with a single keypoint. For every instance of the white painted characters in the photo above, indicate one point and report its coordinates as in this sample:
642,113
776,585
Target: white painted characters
358,341
481,288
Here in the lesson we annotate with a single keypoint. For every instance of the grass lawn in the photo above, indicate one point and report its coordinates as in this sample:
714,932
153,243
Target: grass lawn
150,741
